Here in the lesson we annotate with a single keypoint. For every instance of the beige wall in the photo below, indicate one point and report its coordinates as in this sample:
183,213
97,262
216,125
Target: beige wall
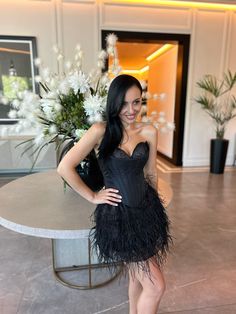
67,22
162,79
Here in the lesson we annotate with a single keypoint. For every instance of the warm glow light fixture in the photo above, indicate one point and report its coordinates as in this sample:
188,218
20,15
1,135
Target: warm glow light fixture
140,71
159,52
191,4
144,69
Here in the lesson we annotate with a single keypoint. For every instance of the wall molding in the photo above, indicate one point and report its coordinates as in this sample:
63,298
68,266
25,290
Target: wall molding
190,86
109,9
203,161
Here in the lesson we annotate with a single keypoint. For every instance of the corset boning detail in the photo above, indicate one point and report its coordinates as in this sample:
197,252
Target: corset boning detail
125,173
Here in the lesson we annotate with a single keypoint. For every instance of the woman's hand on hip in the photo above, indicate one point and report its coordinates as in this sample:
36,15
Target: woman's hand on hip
108,196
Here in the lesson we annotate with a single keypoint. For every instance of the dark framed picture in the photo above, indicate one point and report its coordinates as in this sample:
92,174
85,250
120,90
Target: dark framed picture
17,54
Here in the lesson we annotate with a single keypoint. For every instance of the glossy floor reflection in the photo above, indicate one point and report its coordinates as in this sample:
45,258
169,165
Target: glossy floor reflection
200,272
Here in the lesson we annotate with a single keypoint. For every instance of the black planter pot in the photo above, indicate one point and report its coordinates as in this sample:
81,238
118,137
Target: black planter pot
88,169
218,155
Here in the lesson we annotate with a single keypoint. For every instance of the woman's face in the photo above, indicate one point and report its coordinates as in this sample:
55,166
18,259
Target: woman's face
132,105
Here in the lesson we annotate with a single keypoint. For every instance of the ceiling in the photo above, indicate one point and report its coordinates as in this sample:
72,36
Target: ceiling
132,56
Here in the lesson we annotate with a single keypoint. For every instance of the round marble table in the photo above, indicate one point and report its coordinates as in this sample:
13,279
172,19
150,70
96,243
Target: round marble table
37,205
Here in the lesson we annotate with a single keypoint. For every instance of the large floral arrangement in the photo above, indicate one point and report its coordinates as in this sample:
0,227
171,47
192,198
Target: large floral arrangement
69,102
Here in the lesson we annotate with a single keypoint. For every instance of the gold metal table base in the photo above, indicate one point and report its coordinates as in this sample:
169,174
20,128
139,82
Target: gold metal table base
78,268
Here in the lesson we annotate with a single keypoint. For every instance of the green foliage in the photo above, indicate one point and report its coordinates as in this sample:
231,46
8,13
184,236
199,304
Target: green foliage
216,99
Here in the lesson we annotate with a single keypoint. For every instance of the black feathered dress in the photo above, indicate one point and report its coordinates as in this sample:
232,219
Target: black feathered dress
138,228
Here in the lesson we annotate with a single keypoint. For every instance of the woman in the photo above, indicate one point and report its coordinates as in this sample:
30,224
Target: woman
131,225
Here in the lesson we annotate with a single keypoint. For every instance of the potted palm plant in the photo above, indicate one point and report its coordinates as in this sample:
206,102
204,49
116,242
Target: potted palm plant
220,104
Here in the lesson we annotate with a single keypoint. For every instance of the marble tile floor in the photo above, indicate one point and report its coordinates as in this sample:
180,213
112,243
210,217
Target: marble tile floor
200,272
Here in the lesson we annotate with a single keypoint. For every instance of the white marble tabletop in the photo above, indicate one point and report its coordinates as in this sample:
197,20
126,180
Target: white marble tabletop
37,205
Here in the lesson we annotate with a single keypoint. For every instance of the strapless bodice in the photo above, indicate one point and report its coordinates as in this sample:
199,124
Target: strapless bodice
125,173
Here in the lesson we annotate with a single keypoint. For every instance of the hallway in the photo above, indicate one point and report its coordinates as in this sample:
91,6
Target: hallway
200,272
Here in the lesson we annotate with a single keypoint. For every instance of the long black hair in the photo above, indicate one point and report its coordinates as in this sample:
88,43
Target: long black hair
115,101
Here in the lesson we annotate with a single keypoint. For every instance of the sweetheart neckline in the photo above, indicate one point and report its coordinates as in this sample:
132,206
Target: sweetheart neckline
131,155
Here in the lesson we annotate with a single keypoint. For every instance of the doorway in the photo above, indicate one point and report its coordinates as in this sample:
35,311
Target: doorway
170,146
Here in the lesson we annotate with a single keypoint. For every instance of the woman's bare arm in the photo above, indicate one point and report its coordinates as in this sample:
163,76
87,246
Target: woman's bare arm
67,166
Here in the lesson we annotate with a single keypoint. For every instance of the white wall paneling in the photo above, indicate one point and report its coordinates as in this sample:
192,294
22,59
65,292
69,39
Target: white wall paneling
125,16
29,18
80,25
232,42
209,48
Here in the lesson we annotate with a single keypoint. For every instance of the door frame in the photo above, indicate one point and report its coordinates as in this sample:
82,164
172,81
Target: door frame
183,41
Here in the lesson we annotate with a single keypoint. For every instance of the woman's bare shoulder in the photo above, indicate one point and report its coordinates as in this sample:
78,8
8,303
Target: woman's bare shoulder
99,128
97,131
147,129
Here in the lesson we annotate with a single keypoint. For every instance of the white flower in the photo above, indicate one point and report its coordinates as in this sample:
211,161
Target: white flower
161,120
52,95
98,117
57,106
91,120
79,82
16,104
47,106
117,70
53,83
79,133
12,114
37,62
111,39
64,87
37,78
100,64
52,129
104,79
170,126
102,55
162,96
110,51
39,139
93,105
